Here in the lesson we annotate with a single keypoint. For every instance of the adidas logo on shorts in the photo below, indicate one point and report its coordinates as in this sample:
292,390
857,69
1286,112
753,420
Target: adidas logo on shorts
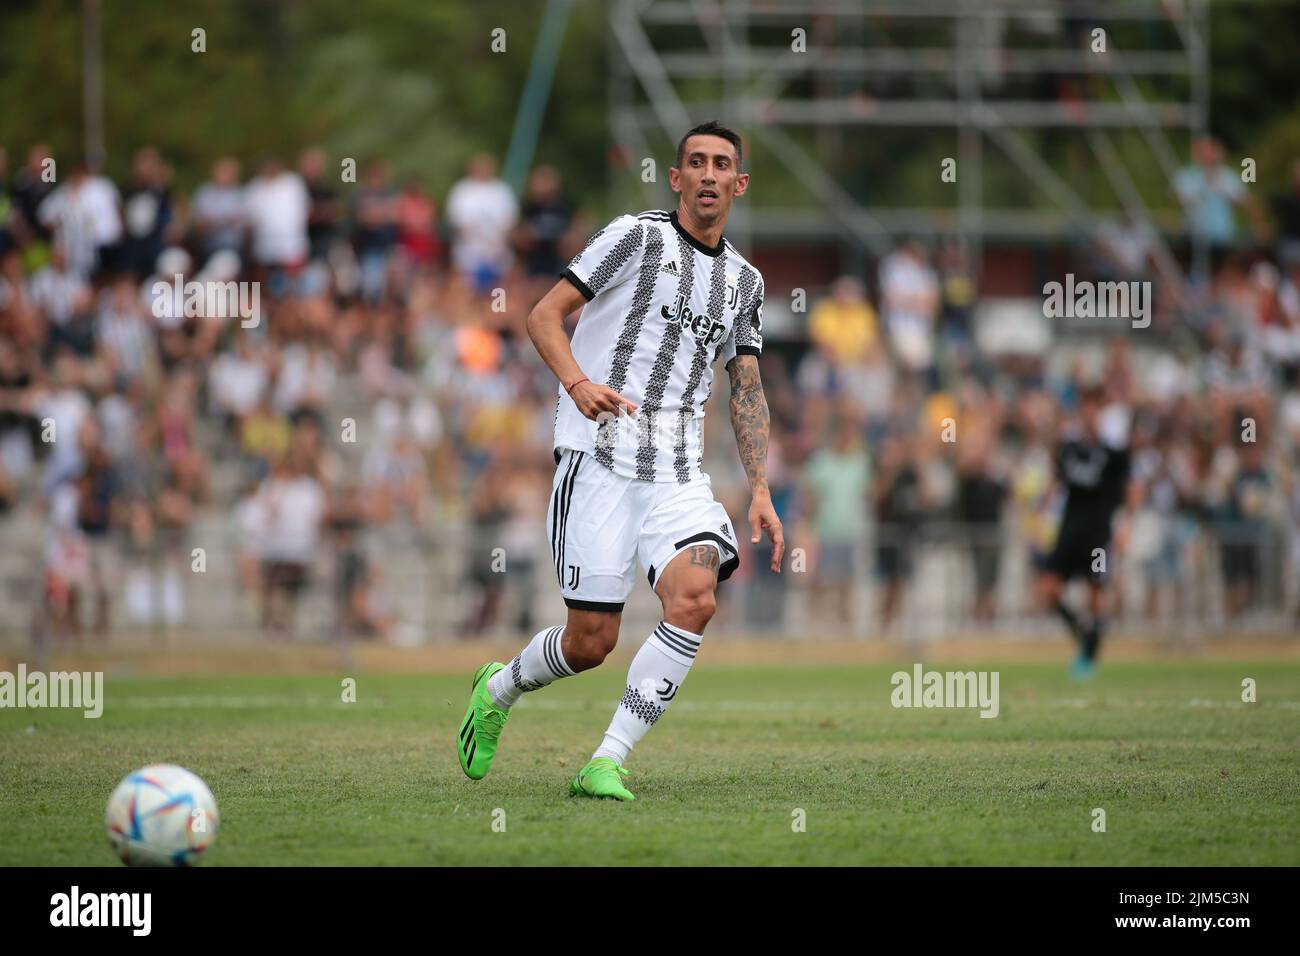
726,530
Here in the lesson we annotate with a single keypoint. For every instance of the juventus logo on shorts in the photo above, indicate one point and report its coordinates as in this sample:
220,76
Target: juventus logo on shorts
574,574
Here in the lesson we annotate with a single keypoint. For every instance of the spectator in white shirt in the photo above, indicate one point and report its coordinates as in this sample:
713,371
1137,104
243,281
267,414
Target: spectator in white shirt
85,220
58,290
123,331
277,205
287,517
220,216
238,382
306,378
909,291
482,211
67,409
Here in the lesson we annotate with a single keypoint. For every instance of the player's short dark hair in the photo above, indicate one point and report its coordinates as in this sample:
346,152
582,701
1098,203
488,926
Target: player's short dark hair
712,128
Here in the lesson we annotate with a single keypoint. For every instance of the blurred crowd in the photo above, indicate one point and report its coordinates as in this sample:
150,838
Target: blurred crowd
381,389
953,437
385,322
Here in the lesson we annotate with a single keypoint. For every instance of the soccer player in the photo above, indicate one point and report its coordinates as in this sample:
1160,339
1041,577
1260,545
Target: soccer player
664,297
1093,465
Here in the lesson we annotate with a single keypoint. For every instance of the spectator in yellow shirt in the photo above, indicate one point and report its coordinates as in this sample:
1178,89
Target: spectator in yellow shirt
844,324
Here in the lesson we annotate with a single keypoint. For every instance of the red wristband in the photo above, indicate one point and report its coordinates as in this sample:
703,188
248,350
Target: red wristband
569,391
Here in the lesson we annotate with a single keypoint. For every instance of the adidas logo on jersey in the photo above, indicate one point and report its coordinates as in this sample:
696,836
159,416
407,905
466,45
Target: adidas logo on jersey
670,268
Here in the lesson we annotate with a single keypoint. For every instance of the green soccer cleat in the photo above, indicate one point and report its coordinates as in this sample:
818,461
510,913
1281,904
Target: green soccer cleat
600,778
476,744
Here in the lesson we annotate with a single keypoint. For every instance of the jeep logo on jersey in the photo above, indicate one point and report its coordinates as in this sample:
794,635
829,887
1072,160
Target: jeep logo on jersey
708,330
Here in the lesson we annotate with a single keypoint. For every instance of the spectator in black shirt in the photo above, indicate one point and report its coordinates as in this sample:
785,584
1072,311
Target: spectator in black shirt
7,240
375,229
326,208
19,376
146,214
31,186
1286,211
547,216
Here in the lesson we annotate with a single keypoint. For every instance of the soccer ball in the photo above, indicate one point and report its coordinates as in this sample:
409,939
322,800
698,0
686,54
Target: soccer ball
161,815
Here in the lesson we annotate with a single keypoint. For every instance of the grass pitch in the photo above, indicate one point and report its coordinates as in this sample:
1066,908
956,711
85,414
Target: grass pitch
1186,772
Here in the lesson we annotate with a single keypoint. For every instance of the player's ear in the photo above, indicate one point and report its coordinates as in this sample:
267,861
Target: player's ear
675,178
742,183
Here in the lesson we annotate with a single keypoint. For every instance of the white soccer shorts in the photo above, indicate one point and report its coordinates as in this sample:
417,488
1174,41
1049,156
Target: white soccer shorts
600,524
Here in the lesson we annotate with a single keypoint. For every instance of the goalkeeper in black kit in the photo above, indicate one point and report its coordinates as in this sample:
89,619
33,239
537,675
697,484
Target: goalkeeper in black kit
1092,465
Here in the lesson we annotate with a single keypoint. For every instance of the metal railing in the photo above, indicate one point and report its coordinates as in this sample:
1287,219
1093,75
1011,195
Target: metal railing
451,583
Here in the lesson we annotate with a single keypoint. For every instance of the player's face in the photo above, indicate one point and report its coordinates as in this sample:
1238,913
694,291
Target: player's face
708,178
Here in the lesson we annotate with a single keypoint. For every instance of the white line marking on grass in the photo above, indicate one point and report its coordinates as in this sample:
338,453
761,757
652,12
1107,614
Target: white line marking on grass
236,702
749,705
1077,703
1137,703
262,702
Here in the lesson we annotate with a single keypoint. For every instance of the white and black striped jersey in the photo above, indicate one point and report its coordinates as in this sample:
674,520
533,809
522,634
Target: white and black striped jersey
662,308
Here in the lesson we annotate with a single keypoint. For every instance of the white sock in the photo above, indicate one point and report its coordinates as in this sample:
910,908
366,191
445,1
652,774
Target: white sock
538,664
653,680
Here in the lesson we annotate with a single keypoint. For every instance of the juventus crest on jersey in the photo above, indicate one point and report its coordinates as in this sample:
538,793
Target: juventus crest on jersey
662,308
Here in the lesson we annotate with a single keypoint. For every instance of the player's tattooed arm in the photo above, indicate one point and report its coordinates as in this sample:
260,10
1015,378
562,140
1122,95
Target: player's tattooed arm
750,419
752,424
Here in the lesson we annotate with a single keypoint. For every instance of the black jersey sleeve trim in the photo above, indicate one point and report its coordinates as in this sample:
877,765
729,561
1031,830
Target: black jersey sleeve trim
748,350
578,284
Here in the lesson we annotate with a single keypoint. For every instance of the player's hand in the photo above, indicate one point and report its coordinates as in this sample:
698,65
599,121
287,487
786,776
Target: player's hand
593,399
763,516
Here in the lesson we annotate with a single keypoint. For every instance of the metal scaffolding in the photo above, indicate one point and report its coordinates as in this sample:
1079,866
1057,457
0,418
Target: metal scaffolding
674,63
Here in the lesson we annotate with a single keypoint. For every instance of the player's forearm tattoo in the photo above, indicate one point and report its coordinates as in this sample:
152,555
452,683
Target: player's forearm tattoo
749,418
